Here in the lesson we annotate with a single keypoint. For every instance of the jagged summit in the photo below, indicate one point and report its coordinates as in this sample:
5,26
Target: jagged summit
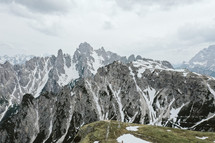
7,64
60,53
16,59
85,48
203,62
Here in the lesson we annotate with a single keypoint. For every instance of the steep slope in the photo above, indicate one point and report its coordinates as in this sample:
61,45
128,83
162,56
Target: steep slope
32,77
203,62
144,91
114,132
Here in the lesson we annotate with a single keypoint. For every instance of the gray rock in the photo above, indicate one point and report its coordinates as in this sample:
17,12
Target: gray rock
143,91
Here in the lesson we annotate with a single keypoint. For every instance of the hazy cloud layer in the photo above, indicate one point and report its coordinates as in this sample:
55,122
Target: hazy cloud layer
44,5
196,33
171,30
163,4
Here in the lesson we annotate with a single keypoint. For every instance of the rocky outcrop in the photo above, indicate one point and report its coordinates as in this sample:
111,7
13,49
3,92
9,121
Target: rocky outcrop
143,91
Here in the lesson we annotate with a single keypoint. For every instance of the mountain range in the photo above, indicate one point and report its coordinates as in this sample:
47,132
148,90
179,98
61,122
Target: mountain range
15,60
49,99
51,73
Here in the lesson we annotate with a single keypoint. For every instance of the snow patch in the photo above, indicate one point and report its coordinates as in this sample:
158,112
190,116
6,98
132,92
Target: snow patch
6,108
132,128
129,138
70,73
97,62
174,113
43,82
201,138
149,98
118,99
200,63
185,74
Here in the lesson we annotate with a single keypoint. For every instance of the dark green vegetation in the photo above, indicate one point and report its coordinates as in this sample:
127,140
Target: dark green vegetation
109,131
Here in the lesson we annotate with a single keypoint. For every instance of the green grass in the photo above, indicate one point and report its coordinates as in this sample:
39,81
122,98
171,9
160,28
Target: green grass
98,131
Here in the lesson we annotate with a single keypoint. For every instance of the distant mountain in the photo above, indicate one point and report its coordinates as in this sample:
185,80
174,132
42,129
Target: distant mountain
15,60
203,62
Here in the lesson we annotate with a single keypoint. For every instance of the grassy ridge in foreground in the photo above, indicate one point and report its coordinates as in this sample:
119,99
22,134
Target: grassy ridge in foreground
109,131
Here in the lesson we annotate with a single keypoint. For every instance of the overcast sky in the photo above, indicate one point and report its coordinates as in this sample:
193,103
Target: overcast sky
173,30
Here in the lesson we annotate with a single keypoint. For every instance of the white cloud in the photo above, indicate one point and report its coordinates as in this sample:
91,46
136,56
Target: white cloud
197,32
44,6
163,29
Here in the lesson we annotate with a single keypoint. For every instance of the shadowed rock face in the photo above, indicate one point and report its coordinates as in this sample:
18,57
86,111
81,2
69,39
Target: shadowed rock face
144,91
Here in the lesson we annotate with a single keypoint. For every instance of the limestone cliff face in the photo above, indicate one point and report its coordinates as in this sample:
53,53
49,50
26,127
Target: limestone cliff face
142,91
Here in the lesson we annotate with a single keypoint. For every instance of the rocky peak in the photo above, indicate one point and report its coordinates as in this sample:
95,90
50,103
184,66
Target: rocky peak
60,61
131,58
101,52
205,58
85,48
138,57
7,64
60,53
203,62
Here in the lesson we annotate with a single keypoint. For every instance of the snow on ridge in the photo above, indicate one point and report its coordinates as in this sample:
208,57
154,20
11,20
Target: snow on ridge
43,81
16,59
97,62
200,63
148,64
142,65
70,73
